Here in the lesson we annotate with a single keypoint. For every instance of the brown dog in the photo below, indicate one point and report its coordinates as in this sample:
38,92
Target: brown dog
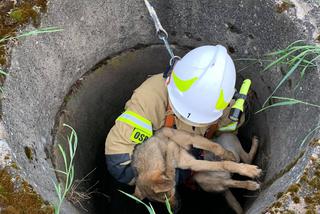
156,159
222,181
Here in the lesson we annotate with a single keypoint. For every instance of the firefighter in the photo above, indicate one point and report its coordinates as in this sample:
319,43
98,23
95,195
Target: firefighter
196,97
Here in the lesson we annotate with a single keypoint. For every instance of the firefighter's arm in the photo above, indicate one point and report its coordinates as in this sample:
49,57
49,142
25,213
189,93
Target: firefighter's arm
118,151
143,112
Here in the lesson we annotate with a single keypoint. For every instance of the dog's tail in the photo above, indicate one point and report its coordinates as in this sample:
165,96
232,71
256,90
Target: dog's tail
232,201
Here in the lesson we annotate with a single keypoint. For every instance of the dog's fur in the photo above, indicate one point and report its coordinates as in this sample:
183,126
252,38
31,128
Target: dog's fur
222,181
156,159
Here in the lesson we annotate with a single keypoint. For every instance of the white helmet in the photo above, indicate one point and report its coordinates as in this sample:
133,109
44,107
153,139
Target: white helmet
202,84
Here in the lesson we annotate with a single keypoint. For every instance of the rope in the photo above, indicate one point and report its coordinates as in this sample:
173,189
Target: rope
161,32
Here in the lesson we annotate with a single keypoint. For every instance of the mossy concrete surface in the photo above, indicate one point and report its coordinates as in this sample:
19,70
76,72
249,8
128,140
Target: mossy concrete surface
16,195
44,68
14,15
303,196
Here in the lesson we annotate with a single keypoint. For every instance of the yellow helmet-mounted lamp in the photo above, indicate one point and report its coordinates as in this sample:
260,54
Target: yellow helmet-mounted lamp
237,108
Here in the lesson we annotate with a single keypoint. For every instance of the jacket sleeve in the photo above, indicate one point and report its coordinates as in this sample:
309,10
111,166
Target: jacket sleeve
149,101
121,172
118,151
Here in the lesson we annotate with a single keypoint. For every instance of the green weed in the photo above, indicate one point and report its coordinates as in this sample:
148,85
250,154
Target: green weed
63,188
32,33
149,207
2,72
26,34
297,56
307,136
286,101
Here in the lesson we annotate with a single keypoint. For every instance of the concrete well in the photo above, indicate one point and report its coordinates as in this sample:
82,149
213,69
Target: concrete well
84,75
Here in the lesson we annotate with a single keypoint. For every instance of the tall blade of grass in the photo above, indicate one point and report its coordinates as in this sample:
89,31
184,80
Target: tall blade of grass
72,142
288,74
282,58
151,211
133,197
62,172
32,33
307,66
295,42
75,141
287,101
64,157
284,103
71,178
3,72
58,189
286,50
39,31
300,101
4,39
307,136
253,59
69,168
70,145
303,54
168,205
303,71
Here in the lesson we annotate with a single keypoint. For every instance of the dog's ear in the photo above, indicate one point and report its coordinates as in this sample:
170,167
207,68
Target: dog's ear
138,193
161,182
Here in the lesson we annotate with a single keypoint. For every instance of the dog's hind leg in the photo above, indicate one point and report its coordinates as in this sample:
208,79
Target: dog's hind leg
218,181
187,161
232,201
186,140
248,157
249,185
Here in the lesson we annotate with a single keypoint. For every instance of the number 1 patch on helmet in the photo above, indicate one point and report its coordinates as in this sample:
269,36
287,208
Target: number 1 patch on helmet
139,136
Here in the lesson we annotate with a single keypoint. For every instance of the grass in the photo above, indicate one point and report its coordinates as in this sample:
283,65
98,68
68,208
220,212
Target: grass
62,189
32,33
308,135
26,34
149,207
286,101
298,57
2,72
77,195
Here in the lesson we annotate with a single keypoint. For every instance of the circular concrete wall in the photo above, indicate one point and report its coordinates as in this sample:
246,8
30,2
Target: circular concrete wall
85,74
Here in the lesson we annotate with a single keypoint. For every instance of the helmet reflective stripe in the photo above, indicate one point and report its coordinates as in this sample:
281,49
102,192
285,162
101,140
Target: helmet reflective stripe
136,121
202,84
230,127
183,85
221,104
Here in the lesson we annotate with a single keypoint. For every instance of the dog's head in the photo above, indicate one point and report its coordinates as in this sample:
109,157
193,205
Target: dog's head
155,186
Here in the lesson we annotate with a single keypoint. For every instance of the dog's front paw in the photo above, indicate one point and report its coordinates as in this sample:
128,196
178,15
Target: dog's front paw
251,185
227,155
251,171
